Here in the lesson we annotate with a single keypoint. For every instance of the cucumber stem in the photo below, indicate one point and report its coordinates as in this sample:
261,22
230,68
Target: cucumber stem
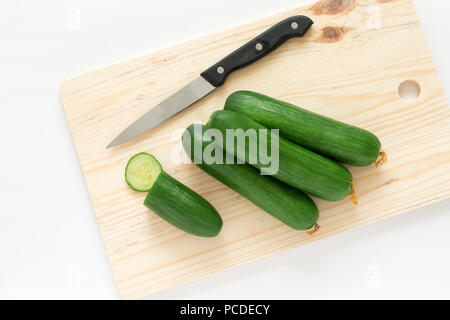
314,230
382,159
353,193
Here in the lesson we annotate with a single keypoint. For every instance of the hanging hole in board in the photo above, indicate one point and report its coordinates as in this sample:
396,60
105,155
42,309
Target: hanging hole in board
409,90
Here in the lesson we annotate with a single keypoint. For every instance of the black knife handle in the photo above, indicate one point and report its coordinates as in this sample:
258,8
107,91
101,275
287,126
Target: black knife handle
257,48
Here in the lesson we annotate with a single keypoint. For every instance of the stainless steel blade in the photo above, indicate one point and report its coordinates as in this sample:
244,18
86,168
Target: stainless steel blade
173,105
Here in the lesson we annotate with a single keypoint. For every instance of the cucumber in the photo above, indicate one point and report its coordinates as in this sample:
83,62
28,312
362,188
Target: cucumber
289,205
172,200
298,167
330,138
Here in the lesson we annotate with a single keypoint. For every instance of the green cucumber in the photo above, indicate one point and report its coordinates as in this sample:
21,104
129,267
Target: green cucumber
170,199
330,138
298,167
289,205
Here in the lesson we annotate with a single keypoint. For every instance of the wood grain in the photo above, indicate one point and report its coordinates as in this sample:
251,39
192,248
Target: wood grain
348,67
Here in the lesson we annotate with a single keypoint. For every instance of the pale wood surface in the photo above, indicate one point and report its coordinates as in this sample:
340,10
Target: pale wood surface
346,68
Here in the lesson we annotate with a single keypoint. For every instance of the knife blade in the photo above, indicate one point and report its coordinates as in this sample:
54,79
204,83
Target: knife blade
216,75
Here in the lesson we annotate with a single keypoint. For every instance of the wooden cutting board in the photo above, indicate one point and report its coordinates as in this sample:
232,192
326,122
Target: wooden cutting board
348,67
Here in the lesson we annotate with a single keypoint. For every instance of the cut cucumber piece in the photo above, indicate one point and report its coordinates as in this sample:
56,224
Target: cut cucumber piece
289,205
172,200
142,171
330,138
183,208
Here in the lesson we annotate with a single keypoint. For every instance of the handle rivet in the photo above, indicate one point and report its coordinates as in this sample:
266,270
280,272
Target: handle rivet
220,70
259,46
294,25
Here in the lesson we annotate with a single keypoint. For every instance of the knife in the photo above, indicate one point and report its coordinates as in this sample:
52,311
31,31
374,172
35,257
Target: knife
215,76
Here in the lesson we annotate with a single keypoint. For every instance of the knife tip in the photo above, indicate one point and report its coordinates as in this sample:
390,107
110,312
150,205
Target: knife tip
111,145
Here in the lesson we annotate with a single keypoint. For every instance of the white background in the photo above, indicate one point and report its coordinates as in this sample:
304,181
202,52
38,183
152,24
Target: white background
50,245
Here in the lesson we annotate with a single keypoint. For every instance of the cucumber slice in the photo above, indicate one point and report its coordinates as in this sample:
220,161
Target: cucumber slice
142,171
